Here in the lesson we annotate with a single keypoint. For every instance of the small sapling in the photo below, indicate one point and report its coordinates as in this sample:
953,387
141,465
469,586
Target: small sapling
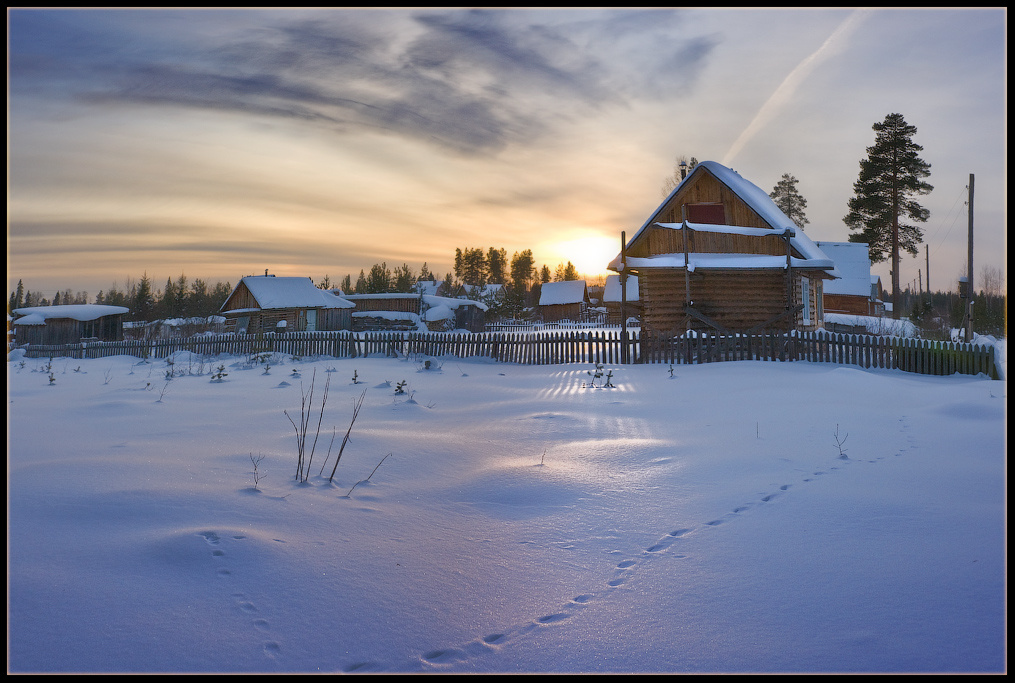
839,442
258,475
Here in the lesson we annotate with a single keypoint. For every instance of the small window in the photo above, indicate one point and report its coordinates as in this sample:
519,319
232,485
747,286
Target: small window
712,214
805,296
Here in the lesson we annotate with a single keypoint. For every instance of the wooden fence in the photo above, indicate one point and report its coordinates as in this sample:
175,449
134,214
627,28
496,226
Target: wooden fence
551,348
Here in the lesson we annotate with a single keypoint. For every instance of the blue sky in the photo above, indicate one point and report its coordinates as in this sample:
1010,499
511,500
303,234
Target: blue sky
218,143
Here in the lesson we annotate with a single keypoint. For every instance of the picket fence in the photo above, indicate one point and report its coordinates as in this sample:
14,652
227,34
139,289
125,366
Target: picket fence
551,348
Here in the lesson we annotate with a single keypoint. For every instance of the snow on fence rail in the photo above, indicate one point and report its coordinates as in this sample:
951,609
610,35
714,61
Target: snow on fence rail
912,355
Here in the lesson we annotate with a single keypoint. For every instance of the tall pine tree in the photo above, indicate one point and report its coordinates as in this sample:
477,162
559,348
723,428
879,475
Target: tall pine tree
890,177
788,199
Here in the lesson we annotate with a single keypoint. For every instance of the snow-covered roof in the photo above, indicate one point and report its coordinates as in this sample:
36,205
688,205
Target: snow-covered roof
566,292
432,300
852,261
612,293
759,201
289,292
440,312
702,261
428,286
486,291
37,315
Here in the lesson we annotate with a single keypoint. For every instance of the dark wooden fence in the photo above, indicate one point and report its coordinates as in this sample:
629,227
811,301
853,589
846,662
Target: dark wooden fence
551,348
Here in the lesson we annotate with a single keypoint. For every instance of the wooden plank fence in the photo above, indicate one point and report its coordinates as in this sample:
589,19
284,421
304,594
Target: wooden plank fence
553,348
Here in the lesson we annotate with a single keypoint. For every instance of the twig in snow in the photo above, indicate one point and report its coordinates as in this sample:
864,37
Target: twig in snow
368,478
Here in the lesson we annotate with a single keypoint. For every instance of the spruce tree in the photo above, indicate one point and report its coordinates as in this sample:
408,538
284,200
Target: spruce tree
167,301
17,297
144,300
890,177
497,266
788,199
404,278
379,279
523,267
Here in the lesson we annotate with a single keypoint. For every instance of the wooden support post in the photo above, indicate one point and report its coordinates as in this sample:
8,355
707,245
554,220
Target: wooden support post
787,236
685,233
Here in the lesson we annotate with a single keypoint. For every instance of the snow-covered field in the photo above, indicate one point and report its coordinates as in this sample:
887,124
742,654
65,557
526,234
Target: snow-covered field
732,517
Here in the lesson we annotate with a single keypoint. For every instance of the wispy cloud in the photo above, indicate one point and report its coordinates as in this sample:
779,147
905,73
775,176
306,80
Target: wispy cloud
473,81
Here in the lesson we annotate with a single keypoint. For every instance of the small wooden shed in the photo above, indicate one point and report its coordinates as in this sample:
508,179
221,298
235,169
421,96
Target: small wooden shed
443,313
855,292
70,324
566,300
612,296
265,303
719,255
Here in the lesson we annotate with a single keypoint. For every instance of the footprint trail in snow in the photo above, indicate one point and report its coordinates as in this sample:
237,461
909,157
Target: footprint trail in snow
447,658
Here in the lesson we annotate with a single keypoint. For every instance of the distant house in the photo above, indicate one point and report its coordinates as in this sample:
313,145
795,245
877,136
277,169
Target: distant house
265,303
416,311
396,311
856,292
70,324
718,254
566,300
612,295
445,314
440,288
488,292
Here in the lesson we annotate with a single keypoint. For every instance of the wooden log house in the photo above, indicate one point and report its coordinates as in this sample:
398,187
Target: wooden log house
855,292
567,300
613,296
718,255
69,324
265,303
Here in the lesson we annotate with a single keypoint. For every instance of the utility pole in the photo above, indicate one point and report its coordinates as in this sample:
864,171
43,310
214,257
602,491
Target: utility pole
969,273
623,297
926,250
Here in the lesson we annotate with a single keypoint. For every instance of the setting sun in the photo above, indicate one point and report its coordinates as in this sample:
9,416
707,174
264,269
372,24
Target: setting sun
590,255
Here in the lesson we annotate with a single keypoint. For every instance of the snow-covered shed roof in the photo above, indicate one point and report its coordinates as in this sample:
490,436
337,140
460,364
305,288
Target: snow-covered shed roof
486,291
852,261
289,292
566,292
428,286
612,293
762,204
38,315
452,303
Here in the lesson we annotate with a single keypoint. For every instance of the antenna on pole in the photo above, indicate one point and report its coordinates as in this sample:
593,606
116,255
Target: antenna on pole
969,273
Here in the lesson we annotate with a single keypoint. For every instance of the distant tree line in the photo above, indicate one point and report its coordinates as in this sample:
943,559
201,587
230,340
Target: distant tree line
937,313
474,268
181,298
